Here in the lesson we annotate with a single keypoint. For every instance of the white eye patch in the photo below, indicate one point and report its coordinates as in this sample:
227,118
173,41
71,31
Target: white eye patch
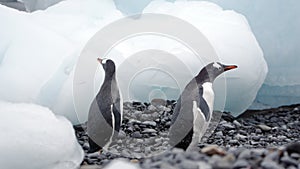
104,61
216,65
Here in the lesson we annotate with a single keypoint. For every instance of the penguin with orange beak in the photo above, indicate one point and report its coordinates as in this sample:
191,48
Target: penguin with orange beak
105,114
194,108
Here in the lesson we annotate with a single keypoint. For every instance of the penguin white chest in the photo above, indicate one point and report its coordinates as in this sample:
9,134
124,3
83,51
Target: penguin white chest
208,95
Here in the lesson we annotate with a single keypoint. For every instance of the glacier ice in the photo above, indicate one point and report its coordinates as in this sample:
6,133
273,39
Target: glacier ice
38,52
277,32
231,37
33,5
32,137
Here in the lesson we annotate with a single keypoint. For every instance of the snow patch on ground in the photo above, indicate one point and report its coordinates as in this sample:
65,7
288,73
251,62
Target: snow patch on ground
32,137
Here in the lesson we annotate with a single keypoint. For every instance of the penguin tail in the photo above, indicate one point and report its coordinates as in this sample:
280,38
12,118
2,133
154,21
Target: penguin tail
93,146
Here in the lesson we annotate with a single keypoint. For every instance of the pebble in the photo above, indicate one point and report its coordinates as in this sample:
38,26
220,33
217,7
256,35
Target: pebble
289,161
149,131
240,164
293,148
137,134
264,127
212,150
267,164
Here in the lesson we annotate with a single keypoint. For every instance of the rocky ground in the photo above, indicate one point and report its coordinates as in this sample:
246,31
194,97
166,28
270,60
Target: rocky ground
267,139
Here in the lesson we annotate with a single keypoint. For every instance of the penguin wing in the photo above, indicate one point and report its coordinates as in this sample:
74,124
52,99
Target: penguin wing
176,110
117,113
202,104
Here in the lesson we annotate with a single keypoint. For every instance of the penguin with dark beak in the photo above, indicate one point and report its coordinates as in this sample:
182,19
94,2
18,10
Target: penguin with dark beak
194,108
105,114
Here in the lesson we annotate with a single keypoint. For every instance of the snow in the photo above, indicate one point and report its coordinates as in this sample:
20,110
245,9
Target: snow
116,164
39,51
32,137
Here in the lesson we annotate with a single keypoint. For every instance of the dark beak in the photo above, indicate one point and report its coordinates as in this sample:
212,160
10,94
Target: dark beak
229,67
99,60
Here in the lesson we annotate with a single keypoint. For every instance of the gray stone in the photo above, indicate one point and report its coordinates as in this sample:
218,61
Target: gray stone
245,154
149,131
234,142
228,126
151,108
203,165
219,133
188,164
136,134
236,123
264,127
239,164
167,166
149,123
125,153
267,164
289,161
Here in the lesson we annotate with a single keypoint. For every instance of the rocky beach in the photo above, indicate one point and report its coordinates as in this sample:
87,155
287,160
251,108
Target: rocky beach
267,139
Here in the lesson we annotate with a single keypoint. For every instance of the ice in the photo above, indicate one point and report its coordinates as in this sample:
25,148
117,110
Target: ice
33,5
37,57
234,42
116,164
32,137
277,32
38,52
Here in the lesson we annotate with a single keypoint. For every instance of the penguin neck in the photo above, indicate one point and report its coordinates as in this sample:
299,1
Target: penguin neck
109,78
203,77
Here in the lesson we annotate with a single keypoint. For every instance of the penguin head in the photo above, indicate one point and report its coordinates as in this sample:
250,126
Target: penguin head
108,66
211,71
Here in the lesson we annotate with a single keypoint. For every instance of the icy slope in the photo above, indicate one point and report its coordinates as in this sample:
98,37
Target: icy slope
32,137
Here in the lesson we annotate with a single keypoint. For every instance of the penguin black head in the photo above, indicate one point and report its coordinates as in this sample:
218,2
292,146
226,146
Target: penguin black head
211,71
108,66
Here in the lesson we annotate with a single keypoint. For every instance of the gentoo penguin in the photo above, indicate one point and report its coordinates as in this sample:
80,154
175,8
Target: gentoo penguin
105,114
194,108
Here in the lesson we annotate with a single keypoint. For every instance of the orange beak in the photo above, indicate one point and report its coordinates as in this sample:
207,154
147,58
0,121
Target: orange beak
229,67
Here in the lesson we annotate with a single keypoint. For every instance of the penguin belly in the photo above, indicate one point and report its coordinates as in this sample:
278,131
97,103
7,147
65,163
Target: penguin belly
200,123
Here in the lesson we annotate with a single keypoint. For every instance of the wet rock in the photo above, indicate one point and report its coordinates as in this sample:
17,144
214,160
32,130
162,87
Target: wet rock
264,127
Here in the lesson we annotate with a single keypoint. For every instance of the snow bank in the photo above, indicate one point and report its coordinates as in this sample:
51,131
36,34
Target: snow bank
32,137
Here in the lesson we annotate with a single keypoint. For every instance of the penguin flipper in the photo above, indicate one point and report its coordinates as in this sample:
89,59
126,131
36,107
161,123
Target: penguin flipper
176,110
202,104
117,114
